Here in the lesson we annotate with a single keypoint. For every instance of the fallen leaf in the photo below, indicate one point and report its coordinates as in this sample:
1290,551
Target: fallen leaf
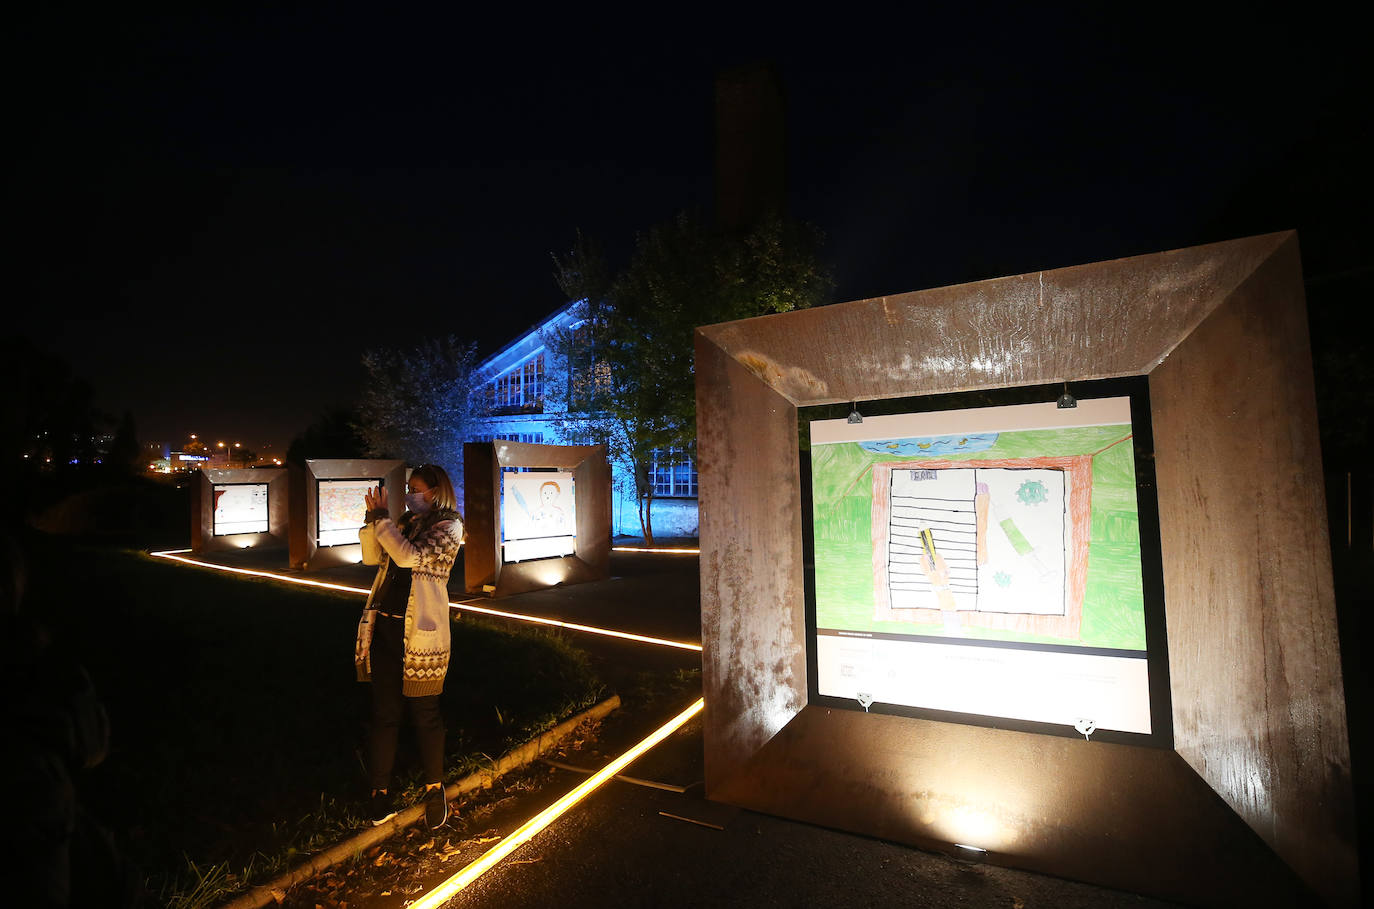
278,895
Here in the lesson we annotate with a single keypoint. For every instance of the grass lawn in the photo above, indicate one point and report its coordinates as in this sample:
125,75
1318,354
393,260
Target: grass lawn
237,723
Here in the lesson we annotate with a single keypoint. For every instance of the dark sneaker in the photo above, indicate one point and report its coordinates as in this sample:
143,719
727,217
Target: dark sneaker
436,808
380,808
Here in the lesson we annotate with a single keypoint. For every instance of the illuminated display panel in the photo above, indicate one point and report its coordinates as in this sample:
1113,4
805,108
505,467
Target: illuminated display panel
538,515
341,509
240,508
995,564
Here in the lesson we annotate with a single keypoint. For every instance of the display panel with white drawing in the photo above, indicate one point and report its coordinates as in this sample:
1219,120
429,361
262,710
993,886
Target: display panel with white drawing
240,508
342,509
983,561
538,515
998,533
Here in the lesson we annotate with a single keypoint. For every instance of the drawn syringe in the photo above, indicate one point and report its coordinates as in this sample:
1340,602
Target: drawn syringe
1022,546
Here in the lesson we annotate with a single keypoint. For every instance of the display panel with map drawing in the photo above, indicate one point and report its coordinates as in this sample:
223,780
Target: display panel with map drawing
986,565
341,509
240,508
538,515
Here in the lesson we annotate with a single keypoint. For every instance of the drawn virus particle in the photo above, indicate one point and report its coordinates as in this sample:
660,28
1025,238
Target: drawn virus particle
1002,578
1032,492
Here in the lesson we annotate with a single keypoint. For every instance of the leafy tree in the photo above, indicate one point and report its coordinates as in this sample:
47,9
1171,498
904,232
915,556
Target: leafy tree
417,405
629,379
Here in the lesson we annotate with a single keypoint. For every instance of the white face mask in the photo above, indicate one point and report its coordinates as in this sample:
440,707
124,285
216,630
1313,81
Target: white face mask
416,502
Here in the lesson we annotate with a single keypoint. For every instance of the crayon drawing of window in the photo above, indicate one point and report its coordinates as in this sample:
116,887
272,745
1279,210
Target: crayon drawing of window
987,543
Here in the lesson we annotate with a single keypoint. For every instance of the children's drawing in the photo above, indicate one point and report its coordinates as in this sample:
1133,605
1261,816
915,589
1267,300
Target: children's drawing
1023,527
539,505
994,542
240,508
977,539
983,561
342,510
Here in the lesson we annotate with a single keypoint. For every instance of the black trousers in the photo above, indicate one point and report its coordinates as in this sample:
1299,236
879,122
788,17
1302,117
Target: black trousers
388,703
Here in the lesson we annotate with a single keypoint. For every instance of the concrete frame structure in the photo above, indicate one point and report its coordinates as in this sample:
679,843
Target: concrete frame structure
483,564
1253,804
305,519
203,537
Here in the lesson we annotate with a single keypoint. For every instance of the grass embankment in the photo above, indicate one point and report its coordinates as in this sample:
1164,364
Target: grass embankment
237,721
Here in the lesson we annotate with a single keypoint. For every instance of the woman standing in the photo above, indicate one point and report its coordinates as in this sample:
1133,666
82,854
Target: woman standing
403,638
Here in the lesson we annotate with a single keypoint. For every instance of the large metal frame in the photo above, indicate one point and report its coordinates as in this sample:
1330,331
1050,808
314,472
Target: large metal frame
483,566
305,552
203,538
1253,804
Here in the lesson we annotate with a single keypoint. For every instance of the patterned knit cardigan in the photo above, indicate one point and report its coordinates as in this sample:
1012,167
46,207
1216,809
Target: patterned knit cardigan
428,550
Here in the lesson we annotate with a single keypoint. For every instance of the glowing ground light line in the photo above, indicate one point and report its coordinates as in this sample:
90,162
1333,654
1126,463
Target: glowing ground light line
173,554
574,626
638,549
449,888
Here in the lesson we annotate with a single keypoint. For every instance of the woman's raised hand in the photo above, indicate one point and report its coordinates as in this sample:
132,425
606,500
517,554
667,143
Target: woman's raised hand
375,498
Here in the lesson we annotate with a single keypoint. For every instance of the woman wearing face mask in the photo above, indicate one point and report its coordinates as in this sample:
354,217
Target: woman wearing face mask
403,638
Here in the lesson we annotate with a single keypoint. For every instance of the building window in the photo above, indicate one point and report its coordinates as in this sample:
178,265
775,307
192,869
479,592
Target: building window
534,380
521,390
536,438
674,473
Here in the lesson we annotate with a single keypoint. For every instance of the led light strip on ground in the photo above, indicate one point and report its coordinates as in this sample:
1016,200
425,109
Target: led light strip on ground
574,626
174,555
449,888
639,549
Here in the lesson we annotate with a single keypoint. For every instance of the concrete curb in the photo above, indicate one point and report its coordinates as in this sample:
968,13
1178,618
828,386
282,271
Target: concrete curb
263,894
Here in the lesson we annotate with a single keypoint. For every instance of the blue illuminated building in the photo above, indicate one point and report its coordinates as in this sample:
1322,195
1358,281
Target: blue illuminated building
518,402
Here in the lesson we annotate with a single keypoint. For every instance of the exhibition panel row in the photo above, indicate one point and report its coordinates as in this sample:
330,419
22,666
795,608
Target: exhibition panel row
545,508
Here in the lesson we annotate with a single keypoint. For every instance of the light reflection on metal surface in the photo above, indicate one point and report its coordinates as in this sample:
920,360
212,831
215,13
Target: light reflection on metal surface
469,605
445,891
964,824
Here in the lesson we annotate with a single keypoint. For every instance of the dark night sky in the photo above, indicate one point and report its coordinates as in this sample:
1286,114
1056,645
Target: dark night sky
216,213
